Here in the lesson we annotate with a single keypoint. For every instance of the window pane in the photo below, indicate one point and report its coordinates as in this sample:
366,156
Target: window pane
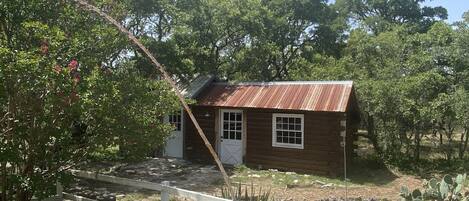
238,117
238,126
232,135
298,120
279,139
232,116
225,126
278,120
291,140
279,126
298,127
298,140
298,134
279,134
225,134
231,126
238,135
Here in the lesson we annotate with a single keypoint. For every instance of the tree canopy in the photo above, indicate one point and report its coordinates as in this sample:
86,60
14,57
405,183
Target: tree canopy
73,85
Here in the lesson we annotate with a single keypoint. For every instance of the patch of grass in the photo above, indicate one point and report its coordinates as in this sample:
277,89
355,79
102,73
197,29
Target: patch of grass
144,196
106,154
140,196
244,174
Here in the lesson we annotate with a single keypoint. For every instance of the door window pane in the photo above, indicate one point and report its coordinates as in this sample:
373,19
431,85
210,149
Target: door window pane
232,124
175,120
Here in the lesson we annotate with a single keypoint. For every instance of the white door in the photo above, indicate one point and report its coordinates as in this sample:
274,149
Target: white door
231,143
174,144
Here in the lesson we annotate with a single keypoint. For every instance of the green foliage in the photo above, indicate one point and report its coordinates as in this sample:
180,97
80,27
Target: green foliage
410,69
60,102
446,189
379,16
247,193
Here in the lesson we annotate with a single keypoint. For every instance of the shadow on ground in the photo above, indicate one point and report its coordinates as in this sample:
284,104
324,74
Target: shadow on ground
370,171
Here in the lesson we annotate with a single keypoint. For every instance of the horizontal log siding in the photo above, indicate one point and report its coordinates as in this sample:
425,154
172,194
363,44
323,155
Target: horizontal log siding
195,149
322,153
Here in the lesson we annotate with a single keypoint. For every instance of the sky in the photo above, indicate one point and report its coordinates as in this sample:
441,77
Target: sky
455,8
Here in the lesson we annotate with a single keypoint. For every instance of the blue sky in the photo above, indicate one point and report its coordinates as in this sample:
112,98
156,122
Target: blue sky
455,8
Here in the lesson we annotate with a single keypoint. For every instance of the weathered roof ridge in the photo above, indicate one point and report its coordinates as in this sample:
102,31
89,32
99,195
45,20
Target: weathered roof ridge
196,85
342,82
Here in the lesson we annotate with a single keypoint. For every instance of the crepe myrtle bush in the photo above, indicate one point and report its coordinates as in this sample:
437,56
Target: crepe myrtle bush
448,189
55,110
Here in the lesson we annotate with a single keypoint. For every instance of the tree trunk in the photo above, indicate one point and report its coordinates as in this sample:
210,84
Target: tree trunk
441,139
372,134
449,149
417,146
4,181
23,195
463,144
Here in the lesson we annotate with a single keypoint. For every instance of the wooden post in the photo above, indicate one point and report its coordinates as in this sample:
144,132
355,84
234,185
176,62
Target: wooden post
59,190
164,191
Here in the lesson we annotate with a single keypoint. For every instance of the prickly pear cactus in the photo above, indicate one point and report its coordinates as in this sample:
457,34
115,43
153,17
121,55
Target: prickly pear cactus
448,189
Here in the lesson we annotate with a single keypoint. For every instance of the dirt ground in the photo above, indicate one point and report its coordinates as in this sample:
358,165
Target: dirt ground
368,184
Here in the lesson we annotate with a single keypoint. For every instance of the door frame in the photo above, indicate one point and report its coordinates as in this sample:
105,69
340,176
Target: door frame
220,131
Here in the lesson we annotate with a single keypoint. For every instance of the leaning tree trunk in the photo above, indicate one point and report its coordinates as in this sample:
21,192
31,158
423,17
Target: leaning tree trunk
167,78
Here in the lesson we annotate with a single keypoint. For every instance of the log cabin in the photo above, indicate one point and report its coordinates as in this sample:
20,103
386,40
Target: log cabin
299,126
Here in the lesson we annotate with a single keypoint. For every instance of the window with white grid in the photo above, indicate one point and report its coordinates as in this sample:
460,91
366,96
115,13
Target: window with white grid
232,125
175,120
287,130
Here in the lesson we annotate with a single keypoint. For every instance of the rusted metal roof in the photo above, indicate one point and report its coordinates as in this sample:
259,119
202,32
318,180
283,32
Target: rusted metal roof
330,96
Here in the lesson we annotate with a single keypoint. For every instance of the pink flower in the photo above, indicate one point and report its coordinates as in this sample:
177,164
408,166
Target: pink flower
73,65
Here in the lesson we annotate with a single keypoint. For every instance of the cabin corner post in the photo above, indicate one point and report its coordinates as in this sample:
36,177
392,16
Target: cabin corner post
343,142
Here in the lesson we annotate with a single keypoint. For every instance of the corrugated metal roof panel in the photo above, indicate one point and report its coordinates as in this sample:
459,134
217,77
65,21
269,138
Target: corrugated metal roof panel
330,96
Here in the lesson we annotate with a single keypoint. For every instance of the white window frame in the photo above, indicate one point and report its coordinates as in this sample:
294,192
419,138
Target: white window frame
274,131
222,121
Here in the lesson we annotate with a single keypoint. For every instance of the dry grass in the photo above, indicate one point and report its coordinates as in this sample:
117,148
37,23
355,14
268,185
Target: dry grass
364,182
140,196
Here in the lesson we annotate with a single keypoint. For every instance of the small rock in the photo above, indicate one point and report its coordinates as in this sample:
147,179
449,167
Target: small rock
319,182
327,185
